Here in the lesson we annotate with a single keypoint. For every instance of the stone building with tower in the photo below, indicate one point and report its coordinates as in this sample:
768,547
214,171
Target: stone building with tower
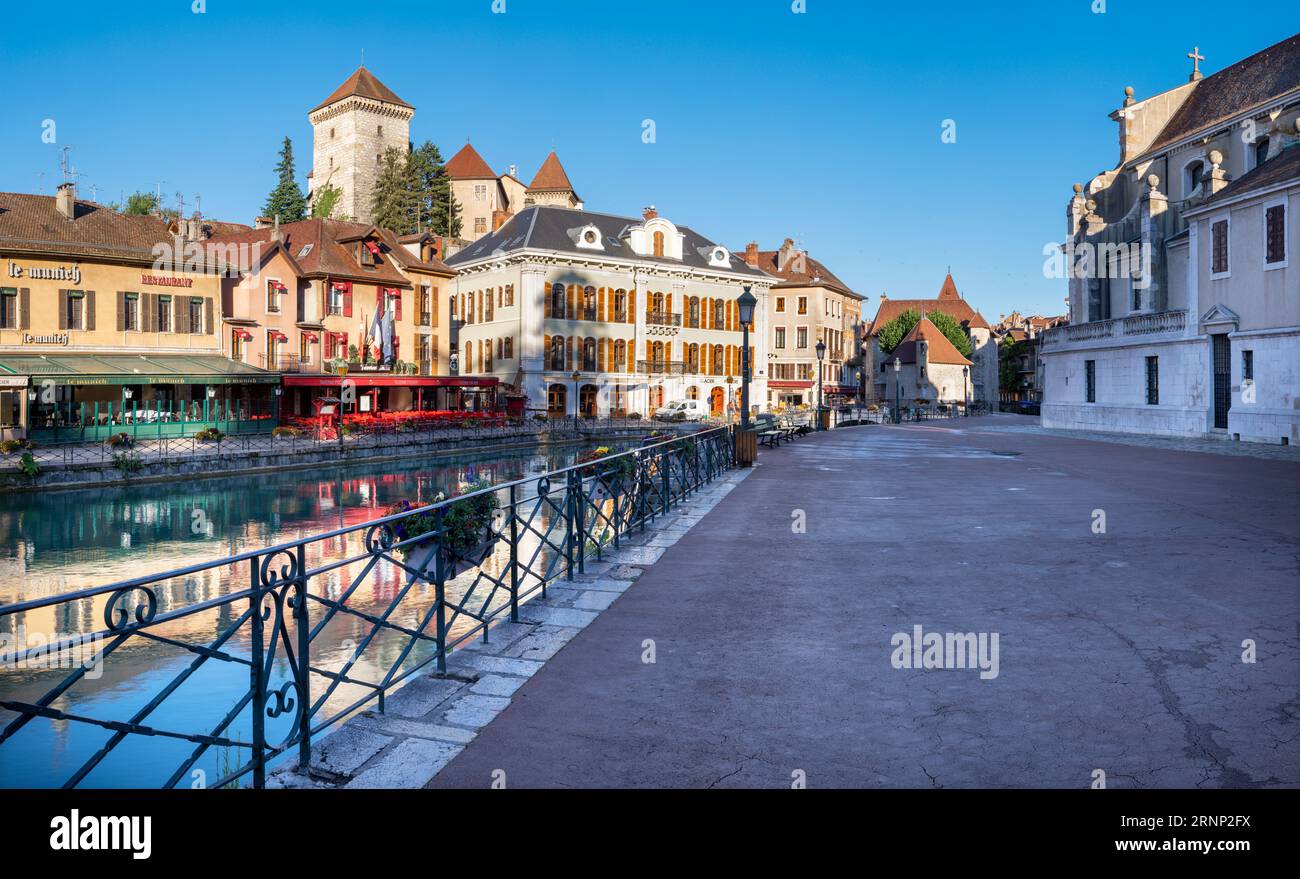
983,366
486,199
1184,308
351,130
595,314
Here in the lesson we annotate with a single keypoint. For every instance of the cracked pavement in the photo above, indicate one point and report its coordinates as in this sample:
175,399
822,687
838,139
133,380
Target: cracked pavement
1119,651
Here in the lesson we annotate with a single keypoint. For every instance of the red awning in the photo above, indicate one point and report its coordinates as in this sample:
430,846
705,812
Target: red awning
384,380
246,335
372,247
793,385
311,337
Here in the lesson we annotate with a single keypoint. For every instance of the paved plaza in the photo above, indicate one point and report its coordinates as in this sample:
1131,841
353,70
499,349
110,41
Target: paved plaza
773,646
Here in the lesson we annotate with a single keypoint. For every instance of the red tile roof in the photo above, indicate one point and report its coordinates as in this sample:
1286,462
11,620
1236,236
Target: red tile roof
814,274
363,83
468,165
949,303
551,175
938,347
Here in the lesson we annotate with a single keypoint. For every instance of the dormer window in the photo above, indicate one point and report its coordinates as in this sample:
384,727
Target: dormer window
659,244
1261,151
720,257
370,253
589,238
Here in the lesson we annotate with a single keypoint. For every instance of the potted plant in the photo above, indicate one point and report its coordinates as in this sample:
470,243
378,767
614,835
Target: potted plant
467,537
120,441
208,435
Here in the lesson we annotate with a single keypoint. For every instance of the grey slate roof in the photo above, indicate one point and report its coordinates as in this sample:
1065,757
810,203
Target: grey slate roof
1283,167
544,227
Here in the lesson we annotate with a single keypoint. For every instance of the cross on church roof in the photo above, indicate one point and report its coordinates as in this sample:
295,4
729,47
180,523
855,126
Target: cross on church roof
1197,58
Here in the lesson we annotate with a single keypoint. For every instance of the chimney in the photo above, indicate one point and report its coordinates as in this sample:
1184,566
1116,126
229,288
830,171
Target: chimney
751,253
783,255
66,200
649,213
276,235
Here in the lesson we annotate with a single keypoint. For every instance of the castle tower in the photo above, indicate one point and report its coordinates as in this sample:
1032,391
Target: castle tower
351,130
551,185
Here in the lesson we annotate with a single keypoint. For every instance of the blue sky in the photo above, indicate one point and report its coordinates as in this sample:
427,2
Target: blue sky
823,126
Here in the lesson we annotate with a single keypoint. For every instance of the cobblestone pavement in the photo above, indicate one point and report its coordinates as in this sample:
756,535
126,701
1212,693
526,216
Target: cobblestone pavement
775,646
1004,423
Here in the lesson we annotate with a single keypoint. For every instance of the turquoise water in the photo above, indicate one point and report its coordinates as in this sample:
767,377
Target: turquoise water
65,541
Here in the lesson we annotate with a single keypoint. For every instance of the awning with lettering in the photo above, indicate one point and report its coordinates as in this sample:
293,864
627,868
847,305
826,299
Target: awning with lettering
134,369
386,380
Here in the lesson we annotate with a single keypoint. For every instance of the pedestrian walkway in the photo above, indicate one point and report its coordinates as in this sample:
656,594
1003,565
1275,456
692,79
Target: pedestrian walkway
760,649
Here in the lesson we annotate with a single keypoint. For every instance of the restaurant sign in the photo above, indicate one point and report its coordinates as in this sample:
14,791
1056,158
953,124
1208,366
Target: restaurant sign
48,339
43,273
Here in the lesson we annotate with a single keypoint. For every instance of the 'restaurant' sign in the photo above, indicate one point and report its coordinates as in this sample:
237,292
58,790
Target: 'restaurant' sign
163,281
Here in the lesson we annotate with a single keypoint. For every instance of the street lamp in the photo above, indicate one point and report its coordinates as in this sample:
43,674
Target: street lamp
577,376
898,402
821,354
965,391
745,306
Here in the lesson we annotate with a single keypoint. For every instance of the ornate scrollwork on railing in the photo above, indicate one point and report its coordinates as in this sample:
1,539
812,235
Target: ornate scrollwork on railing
282,700
118,618
270,578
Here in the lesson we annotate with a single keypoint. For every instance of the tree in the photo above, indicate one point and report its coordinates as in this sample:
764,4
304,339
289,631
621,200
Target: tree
325,204
896,330
141,204
1009,353
435,207
286,201
393,205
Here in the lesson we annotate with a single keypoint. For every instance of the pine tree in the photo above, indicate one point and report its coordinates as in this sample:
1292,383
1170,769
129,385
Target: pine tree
435,207
394,203
286,201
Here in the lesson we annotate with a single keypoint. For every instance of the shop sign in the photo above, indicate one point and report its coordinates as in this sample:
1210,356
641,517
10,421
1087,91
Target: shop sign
50,339
42,273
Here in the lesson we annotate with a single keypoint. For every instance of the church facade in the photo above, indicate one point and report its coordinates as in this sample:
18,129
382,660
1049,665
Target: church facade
1184,308
595,314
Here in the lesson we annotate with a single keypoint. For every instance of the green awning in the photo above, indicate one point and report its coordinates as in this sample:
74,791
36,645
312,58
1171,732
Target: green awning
134,369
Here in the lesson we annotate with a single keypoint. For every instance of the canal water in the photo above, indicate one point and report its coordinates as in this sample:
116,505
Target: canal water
65,541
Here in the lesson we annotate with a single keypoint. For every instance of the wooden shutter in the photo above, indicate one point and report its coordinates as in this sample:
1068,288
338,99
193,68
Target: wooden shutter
90,309
600,354
24,308
600,305
148,308
63,309
668,304
397,308
207,315
668,351
121,310
572,311
347,300
547,296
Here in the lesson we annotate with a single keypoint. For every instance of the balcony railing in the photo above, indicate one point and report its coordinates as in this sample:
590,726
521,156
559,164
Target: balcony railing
1118,327
661,367
263,647
663,319
283,363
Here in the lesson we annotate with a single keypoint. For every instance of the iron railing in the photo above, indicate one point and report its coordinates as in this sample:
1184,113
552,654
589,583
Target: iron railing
268,648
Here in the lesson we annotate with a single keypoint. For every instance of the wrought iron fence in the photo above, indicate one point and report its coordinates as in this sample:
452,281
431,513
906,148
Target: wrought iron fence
268,648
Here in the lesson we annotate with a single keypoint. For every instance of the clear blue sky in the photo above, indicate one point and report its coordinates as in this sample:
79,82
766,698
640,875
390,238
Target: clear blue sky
823,126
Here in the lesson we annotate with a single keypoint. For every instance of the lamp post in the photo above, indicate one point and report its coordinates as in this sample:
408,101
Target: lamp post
965,391
745,306
898,401
577,376
821,354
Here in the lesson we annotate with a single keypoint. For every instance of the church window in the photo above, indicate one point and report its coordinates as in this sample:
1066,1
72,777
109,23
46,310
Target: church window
1275,233
1261,151
1219,247
1192,177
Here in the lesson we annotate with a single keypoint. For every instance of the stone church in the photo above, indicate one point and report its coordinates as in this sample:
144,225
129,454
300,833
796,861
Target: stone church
1184,308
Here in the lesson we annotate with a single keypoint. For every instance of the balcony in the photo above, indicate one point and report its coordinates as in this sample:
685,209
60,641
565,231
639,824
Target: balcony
661,367
283,363
663,319
1170,324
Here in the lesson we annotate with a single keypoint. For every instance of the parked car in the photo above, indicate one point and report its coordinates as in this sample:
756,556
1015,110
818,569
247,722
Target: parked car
682,410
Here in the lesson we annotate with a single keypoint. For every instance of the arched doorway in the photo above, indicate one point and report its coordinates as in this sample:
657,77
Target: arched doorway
656,399
717,402
557,401
587,401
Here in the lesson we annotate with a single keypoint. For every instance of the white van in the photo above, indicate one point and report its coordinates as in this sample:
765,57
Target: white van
682,410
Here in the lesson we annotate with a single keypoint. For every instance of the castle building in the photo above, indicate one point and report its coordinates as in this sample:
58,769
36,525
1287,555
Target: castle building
351,130
1184,308
599,314
983,364
487,199
930,369
808,304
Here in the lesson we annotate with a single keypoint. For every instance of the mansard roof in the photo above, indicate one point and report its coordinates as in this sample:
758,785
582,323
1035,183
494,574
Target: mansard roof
1251,82
364,84
550,227
467,164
